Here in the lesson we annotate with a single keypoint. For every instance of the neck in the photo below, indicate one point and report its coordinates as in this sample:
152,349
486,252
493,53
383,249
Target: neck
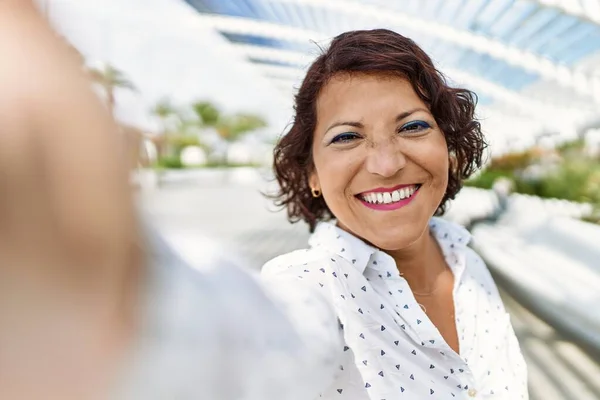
421,263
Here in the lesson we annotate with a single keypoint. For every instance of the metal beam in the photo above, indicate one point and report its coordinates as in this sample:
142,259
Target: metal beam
544,112
246,26
586,10
481,44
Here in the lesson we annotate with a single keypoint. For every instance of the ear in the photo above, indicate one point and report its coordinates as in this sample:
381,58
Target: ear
313,180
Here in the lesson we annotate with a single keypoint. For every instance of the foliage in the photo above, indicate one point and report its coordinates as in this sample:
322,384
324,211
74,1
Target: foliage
170,162
185,126
571,147
231,128
486,178
164,110
181,141
208,114
175,163
220,164
573,176
569,182
513,161
111,79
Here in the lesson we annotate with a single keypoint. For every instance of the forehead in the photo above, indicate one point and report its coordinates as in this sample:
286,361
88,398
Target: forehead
356,95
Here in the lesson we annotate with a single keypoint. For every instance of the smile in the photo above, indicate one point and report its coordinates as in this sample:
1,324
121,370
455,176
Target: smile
389,199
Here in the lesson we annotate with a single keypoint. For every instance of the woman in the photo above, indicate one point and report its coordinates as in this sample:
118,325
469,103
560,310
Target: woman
378,146
92,306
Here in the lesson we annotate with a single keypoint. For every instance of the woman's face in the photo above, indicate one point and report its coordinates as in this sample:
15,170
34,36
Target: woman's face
380,159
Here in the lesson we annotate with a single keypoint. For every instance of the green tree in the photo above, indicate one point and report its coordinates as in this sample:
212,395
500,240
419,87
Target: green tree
208,114
111,79
230,128
166,111
177,132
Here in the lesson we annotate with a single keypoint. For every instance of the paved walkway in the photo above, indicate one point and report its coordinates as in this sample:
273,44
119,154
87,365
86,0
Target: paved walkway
239,217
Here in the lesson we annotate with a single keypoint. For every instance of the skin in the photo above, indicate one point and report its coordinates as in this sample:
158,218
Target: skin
69,266
374,132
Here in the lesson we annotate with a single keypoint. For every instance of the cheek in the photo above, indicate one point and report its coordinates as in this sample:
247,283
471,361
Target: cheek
335,173
436,159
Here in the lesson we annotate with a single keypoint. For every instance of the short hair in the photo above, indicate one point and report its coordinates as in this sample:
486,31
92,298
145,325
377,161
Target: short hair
374,52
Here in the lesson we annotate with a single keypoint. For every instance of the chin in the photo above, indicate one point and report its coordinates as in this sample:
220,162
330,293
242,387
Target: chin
394,243
393,240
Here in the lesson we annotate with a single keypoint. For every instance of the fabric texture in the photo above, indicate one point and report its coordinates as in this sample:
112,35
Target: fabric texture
391,348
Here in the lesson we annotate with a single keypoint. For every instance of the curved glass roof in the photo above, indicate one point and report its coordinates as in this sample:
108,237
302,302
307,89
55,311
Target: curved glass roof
535,64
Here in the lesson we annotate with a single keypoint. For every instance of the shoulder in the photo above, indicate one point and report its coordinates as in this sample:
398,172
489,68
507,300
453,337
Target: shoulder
476,265
304,271
479,271
198,314
291,263
456,236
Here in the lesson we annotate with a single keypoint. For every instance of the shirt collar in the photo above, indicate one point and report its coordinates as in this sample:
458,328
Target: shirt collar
447,232
334,239
357,252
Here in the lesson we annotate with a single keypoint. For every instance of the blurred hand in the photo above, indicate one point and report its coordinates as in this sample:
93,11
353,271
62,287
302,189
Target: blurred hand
63,182
67,225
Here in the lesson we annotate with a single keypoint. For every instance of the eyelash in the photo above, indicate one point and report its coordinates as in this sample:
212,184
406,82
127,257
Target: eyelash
344,137
420,125
349,136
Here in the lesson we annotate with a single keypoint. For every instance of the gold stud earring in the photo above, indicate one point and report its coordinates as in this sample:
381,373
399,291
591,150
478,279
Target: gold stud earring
315,192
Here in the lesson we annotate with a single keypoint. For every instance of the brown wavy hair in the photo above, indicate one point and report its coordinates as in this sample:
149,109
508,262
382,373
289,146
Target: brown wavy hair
385,52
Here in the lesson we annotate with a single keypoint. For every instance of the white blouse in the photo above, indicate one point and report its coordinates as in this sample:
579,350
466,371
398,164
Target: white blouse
392,350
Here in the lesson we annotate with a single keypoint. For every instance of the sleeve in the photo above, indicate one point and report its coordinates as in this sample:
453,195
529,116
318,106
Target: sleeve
218,331
282,340
312,317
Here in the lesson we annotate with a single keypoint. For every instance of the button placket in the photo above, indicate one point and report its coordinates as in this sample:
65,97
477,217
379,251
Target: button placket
469,382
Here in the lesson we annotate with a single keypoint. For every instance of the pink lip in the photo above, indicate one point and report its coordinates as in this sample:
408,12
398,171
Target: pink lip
381,190
391,206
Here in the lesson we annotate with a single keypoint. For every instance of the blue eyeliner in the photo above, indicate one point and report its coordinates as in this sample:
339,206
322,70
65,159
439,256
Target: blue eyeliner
344,137
419,124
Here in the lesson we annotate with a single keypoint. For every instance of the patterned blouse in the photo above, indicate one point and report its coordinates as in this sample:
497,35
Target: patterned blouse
391,349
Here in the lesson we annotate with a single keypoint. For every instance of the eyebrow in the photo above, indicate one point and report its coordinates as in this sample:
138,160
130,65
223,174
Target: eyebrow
356,124
408,113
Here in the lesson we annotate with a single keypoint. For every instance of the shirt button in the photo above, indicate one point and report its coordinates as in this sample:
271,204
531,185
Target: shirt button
472,392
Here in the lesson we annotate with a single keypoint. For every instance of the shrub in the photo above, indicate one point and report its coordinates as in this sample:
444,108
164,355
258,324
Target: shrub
172,162
485,179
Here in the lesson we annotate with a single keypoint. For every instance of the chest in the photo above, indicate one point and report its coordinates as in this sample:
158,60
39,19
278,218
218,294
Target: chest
410,353
439,309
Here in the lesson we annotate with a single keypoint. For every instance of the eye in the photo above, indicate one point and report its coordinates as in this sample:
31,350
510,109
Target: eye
344,137
414,127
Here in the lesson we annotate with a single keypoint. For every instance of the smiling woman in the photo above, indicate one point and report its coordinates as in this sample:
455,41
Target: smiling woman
380,143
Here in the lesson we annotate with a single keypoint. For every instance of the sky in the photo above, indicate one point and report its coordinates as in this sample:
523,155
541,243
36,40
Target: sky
166,51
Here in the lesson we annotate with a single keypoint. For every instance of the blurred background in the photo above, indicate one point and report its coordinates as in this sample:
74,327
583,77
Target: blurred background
202,89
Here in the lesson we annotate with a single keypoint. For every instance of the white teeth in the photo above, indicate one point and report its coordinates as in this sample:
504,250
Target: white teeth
389,197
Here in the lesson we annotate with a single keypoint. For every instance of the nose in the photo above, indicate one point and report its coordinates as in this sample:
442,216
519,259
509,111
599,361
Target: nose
385,159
